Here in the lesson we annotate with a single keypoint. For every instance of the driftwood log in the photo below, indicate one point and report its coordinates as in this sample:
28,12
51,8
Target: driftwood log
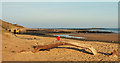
47,47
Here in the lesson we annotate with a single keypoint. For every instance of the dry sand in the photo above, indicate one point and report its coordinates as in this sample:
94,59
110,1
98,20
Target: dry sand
11,45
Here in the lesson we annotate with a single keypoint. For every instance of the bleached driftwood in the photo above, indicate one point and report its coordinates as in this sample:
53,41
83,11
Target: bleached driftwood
47,47
83,46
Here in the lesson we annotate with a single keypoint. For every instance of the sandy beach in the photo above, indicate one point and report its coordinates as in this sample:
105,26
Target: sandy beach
12,44
59,30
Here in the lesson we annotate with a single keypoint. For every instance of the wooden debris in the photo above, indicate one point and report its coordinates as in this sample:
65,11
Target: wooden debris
114,53
47,47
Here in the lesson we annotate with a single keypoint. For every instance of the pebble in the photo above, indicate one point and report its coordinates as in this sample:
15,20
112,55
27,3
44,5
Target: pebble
5,47
13,51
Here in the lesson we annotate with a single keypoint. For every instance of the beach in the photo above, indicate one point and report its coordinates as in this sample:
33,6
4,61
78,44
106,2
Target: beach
57,30
13,44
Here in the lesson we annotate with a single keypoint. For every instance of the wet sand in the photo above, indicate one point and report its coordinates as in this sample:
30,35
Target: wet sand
98,36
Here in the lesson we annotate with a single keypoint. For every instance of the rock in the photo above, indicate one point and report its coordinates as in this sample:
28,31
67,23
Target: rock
35,38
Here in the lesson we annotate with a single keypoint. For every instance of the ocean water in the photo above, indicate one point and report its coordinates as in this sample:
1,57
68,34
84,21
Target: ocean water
68,36
114,30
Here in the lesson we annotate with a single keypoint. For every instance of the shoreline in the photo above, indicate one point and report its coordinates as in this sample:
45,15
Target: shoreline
51,35
101,37
61,53
12,44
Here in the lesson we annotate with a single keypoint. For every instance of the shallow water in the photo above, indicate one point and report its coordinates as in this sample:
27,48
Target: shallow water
67,36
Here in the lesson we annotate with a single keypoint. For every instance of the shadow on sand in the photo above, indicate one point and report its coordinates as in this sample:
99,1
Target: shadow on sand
105,53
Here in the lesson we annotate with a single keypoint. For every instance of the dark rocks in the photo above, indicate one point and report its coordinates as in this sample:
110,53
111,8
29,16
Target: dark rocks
93,32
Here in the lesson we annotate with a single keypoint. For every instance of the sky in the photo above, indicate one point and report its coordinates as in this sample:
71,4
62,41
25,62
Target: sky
61,14
59,0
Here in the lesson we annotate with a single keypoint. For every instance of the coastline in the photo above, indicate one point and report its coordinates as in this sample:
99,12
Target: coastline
12,44
62,53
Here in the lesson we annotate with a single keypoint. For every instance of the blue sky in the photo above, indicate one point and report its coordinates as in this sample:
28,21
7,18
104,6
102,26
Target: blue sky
59,0
61,14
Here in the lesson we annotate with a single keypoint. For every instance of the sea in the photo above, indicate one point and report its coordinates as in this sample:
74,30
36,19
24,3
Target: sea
114,30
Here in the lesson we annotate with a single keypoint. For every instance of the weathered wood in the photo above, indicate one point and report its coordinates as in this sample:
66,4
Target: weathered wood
83,46
47,47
